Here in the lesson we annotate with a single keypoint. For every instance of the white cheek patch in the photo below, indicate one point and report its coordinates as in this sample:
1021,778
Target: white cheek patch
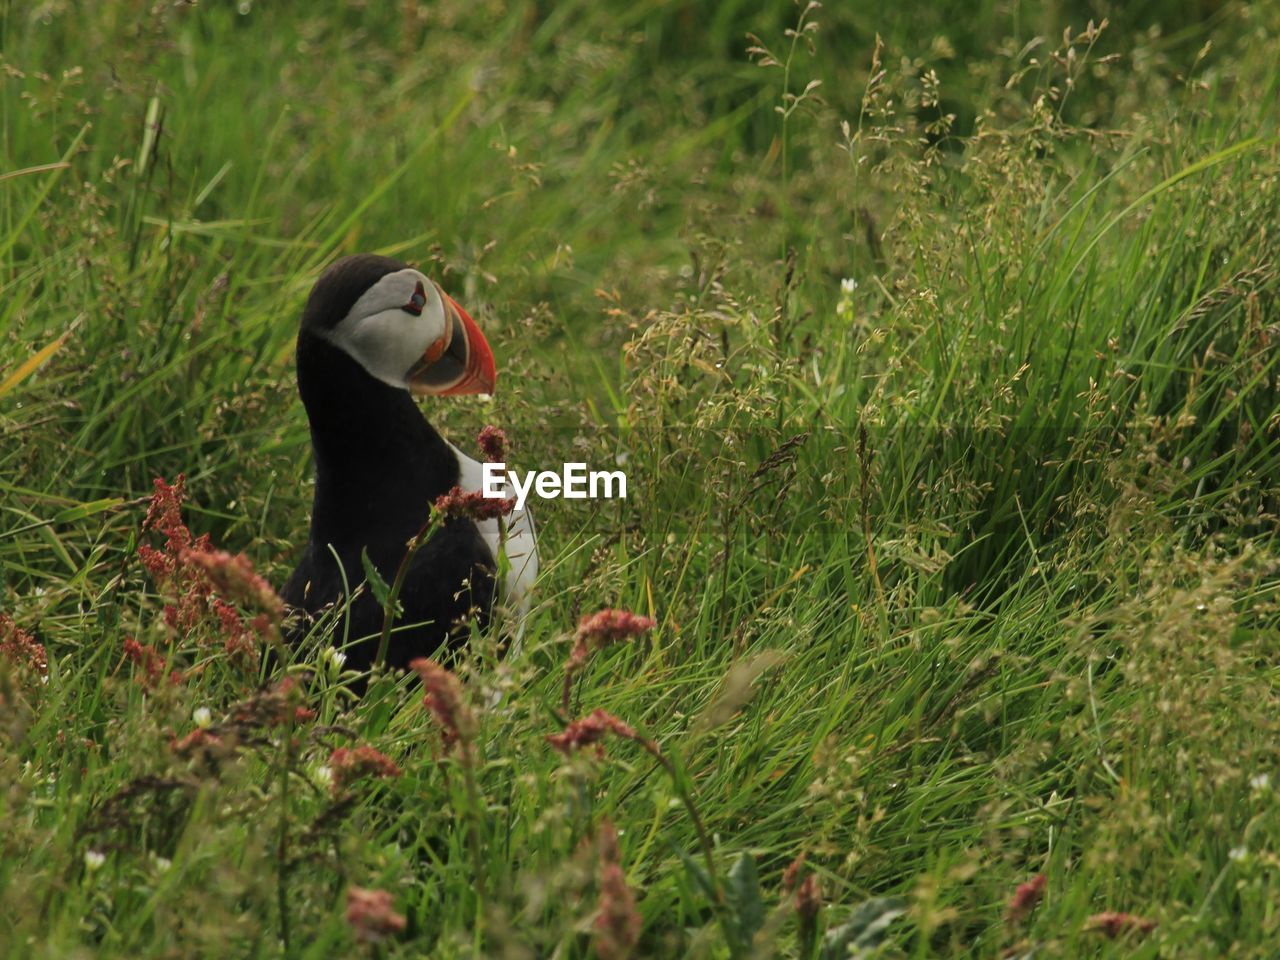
384,338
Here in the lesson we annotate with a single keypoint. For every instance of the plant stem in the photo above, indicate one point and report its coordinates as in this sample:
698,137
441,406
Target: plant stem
388,610
704,840
475,837
864,505
282,842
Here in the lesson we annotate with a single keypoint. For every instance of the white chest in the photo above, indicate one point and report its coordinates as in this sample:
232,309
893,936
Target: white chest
521,545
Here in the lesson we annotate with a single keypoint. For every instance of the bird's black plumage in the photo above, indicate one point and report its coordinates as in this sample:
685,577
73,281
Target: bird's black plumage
379,466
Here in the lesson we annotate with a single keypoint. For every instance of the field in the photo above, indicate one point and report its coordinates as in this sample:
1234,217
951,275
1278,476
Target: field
940,345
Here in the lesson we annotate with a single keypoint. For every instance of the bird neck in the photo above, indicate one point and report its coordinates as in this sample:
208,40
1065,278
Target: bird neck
379,463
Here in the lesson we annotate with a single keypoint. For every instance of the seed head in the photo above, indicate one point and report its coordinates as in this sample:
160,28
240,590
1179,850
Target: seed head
444,698
493,443
348,766
1113,924
609,626
276,706
792,873
201,583
591,730
234,577
1025,898
371,916
198,740
595,632
148,658
474,505
617,924
598,630
20,648
164,514
808,899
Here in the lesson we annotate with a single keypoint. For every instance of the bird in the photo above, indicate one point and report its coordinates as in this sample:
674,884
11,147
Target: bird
376,332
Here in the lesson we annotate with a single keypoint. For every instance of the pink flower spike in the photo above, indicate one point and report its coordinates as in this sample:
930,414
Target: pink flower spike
233,576
1025,898
791,875
371,915
617,924
20,648
808,898
146,657
444,698
1112,924
592,729
350,765
609,626
474,504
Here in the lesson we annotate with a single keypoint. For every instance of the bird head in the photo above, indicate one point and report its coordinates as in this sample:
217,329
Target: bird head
400,326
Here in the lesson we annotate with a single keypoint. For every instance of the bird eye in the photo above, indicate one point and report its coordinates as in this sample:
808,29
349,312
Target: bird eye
417,301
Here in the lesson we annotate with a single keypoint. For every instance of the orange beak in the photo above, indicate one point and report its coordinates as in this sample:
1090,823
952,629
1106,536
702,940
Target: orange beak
459,362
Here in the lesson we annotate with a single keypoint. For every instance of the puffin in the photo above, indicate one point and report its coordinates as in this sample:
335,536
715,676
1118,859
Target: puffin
376,333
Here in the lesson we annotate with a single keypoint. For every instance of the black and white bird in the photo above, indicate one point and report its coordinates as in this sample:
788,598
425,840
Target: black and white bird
374,333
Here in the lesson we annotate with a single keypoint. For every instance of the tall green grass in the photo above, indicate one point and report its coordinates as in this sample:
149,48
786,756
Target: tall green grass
950,409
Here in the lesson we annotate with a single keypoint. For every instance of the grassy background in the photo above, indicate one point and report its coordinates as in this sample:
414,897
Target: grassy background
963,573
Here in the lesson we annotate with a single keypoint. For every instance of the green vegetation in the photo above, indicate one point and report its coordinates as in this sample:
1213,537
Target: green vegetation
948,390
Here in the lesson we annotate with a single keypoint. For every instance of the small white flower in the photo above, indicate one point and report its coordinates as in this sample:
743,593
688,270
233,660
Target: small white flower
323,776
1260,781
1238,854
162,864
844,306
334,660
202,716
93,860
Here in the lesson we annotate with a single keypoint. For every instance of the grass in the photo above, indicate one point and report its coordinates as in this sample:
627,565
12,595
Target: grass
963,571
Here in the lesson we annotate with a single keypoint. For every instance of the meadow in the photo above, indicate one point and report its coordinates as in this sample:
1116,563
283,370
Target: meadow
940,344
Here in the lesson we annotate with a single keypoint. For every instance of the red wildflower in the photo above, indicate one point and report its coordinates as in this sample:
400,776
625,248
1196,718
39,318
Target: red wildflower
238,642
493,443
808,899
792,873
164,515
595,632
617,923
1113,924
274,707
20,648
370,914
609,626
159,564
460,503
241,649
148,658
197,739
1025,898
592,729
349,766
201,583
445,699
233,576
